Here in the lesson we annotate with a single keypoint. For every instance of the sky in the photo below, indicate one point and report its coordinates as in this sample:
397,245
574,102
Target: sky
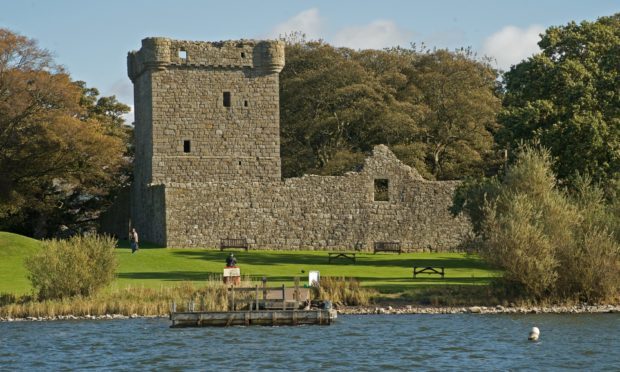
91,38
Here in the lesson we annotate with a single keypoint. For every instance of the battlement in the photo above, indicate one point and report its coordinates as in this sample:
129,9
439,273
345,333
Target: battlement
159,53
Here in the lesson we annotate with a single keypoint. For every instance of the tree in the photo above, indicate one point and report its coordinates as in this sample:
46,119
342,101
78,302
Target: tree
435,109
458,98
52,147
567,98
551,246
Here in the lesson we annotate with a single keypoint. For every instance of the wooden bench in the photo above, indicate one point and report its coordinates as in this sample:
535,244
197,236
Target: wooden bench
234,243
335,255
428,270
387,247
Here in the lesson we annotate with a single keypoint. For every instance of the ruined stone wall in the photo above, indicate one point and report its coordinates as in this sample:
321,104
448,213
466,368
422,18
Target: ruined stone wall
315,212
207,163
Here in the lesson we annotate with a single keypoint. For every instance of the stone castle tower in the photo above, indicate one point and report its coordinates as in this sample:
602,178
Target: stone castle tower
206,111
207,164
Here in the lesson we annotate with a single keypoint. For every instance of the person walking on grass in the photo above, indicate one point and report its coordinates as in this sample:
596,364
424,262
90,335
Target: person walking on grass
133,239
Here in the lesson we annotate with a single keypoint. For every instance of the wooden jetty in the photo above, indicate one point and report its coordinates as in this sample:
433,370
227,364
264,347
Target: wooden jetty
254,317
274,306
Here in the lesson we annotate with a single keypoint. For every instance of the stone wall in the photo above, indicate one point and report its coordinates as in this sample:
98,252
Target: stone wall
316,212
207,163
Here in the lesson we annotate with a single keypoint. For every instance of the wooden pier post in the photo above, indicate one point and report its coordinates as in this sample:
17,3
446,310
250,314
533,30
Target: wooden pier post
283,298
296,293
256,297
232,292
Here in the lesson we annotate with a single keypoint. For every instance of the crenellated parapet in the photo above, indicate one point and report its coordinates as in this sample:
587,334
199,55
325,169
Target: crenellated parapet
158,53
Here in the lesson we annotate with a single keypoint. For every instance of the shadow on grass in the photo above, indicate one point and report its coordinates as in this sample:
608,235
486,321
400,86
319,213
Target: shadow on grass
275,258
170,275
124,244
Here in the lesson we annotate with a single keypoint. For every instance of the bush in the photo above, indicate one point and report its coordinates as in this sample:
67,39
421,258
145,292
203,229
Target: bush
551,245
80,265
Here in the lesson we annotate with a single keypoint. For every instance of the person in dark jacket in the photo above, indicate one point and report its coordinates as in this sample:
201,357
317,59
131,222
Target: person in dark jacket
231,260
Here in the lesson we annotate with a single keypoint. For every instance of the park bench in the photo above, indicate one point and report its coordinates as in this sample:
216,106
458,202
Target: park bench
387,247
428,270
234,243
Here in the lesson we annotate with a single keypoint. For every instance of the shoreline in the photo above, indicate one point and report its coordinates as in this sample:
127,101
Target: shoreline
378,310
413,309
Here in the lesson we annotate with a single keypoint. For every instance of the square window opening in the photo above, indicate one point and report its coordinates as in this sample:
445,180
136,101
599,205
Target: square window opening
242,55
183,54
239,162
226,99
187,146
382,187
245,103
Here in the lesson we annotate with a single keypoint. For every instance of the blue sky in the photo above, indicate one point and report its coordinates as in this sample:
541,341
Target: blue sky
92,38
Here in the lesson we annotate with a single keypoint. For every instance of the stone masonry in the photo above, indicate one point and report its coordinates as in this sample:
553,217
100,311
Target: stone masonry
207,164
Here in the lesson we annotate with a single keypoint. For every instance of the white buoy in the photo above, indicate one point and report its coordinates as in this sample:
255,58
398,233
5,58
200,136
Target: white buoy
534,333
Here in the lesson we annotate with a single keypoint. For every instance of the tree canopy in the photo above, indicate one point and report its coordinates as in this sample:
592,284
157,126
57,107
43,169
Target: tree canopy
61,148
567,98
435,109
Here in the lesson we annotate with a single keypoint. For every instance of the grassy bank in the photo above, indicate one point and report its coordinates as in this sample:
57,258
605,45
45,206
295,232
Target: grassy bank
153,267
148,280
13,250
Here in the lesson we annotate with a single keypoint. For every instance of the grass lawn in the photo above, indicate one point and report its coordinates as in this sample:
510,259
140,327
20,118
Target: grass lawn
153,266
14,249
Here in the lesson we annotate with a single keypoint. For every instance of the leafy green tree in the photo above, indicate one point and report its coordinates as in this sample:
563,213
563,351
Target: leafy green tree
435,109
458,98
59,157
567,98
551,246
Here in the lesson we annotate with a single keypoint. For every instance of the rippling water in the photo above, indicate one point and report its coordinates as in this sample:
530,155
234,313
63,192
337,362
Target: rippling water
393,342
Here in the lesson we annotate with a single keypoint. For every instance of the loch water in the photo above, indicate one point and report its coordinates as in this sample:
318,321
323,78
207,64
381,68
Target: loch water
353,342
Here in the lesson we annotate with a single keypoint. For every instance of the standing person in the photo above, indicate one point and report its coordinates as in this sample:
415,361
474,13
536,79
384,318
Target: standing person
133,238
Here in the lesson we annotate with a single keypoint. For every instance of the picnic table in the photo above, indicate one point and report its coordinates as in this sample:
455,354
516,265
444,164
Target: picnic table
428,270
344,255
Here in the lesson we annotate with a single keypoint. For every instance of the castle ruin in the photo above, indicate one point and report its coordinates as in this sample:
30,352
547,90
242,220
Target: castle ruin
207,164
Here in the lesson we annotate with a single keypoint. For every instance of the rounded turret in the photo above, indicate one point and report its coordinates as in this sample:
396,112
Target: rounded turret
269,56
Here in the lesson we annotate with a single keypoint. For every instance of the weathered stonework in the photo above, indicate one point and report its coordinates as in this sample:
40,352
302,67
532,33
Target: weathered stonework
204,171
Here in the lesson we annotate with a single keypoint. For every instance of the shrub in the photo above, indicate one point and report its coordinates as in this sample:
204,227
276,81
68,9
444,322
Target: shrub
80,265
550,245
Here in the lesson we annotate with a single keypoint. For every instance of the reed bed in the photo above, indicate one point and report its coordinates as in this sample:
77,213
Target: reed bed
343,291
141,301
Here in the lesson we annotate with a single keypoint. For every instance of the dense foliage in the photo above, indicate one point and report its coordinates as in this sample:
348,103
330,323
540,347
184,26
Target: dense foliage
568,98
63,151
552,245
80,265
435,109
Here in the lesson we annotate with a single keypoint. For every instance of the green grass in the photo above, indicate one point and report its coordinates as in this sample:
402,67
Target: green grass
153,267
386,272
13,250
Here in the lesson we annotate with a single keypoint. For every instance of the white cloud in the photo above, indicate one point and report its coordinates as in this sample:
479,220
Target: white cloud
130,116
308,22
512,44
375,35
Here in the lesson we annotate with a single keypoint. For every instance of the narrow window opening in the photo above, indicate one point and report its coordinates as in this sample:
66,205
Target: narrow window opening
382,187
226,99
245,103
187,146
183,54
242,55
